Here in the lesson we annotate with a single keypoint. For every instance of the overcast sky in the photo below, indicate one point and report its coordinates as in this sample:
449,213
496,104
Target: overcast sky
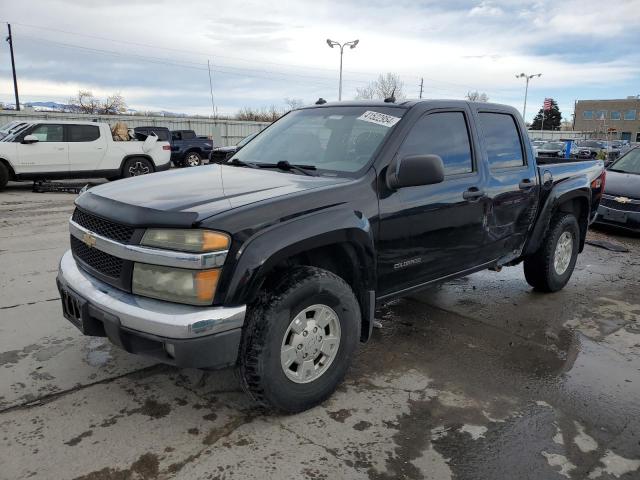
155,52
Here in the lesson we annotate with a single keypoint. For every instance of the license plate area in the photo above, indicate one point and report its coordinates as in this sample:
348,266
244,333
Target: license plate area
615,216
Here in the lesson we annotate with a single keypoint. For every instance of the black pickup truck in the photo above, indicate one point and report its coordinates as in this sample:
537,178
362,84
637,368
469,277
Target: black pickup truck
275,262
188,149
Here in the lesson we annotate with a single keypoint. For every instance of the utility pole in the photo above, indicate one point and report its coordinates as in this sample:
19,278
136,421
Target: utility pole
213,108
13,67
421,85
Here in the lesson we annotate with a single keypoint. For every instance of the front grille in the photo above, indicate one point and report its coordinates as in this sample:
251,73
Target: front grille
611,202
102,262
114,231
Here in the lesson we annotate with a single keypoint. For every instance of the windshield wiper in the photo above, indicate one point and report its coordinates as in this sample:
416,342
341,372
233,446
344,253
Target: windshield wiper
241,163
285,165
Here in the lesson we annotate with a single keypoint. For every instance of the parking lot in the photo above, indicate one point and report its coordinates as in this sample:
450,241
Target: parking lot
481,378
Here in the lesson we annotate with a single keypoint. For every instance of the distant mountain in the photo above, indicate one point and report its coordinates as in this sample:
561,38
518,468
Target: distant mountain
62,107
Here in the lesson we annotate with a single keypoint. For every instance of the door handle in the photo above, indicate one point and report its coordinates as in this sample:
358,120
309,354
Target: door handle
60,148
473,193
525,184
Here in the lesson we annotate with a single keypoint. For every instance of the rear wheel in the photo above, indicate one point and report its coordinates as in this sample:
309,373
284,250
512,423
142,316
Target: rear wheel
192,159
299,339
4,176
137,166
550,268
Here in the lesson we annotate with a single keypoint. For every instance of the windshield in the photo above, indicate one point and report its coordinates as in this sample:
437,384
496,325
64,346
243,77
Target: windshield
591,144
331,139
629,163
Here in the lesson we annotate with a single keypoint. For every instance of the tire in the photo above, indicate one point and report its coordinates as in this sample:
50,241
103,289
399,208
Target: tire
192,159
541,269
137,166
4,176
305,293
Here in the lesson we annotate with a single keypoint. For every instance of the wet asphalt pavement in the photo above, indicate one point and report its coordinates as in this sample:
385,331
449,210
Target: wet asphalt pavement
480,378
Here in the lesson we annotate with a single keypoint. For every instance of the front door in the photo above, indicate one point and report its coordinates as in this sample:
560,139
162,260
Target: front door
429,232
48,154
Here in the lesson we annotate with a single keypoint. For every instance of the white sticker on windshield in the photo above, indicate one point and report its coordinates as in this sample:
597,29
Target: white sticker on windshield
379,118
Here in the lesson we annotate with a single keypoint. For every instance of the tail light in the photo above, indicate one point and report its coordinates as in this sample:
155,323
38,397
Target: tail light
166,147
598,183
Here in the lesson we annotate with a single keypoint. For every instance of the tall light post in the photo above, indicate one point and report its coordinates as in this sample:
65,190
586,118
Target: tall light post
526,89
332,44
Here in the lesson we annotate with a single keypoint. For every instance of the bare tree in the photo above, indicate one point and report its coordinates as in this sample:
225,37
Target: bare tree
113,105
476,96
86,102
293,103
265,114
385,86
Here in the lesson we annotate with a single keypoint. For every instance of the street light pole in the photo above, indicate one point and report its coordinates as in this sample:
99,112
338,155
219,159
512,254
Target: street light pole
332,44
526,89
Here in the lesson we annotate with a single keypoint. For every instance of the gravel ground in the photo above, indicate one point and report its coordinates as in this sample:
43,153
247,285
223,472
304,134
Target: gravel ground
480,378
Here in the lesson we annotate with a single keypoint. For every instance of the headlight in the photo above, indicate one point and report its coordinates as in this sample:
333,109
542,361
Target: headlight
187,240
195,287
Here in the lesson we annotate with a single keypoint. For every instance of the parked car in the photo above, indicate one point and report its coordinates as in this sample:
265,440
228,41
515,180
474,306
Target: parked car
222,154
163,133
275,261
620,205
552,149
57,149
188,149
594,147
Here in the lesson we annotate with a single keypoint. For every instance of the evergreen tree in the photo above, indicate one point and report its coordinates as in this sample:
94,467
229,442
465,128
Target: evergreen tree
552,118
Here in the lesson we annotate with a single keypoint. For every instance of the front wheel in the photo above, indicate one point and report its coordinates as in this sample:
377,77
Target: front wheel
550,268
137,166
299,339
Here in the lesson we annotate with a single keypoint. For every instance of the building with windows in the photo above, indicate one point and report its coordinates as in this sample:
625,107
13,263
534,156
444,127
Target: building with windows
613,119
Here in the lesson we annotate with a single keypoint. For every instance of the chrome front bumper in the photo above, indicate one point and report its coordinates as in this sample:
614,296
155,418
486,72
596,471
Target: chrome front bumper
146,315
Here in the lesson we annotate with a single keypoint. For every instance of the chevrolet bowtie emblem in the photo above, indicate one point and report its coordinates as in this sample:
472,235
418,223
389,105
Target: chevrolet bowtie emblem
622,199
89,240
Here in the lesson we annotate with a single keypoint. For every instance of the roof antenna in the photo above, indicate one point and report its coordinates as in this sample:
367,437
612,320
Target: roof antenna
321,101
391,98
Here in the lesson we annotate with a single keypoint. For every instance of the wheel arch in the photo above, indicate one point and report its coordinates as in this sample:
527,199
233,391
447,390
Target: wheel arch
335,240
571,196
7,164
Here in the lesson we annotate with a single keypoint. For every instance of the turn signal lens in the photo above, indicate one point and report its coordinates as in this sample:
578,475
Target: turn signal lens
186,240
206,283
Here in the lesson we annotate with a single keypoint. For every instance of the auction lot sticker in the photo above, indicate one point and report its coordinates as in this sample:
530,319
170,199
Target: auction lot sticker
379,118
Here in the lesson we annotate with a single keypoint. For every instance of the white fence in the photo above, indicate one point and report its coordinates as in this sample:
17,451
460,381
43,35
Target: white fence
553,135
223,132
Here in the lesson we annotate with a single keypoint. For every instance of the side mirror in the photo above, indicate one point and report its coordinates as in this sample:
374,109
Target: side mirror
416,170
30,139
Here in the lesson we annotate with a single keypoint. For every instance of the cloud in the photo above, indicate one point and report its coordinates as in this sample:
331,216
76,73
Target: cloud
486,9
156,54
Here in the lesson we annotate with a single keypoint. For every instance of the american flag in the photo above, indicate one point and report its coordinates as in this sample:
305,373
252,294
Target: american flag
547,104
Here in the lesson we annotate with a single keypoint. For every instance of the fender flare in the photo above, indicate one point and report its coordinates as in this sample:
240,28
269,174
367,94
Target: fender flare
573,188
267,248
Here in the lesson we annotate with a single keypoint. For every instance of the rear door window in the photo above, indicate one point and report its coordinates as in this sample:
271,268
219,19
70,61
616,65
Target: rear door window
444,134
83,133
501,140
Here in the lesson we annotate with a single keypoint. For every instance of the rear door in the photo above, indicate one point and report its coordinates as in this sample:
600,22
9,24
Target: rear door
87,148
431,231
49,154
512,185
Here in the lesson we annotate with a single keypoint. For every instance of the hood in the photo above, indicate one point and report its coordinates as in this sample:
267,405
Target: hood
184,196
622,184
